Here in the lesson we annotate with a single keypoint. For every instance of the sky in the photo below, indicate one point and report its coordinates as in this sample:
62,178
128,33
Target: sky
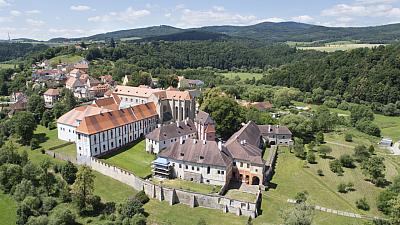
45,19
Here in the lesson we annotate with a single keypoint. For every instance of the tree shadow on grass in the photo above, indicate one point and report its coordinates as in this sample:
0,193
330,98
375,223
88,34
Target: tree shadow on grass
41,137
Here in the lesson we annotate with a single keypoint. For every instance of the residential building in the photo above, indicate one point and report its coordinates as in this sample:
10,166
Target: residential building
171,104
164,136
205,126
67,123
190,84
198,161
276,134
246,149
102,133
51,96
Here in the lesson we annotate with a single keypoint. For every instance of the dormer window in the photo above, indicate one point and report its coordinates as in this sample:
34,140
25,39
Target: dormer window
201,157
182,154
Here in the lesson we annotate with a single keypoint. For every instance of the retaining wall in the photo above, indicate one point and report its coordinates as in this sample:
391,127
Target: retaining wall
174,196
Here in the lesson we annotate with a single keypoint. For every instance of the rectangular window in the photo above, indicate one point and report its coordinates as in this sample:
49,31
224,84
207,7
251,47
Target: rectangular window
248,165
241,164
180,166
79,136
198,168
186,167
208,170
222,172
192,167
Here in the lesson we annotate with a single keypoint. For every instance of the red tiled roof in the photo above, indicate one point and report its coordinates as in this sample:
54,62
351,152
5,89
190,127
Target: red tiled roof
52,92
105,121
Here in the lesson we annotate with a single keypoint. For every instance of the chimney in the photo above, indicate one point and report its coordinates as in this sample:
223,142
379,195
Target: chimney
204,142
194,141
177,124
269,128
186,122
220,145
181,141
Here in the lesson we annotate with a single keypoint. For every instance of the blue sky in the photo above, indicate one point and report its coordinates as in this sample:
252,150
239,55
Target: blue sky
44,19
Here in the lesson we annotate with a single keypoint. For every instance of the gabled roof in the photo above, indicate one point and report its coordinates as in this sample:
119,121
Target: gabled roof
244,144
52,92
108,103
274,129
77,114
105,121
201,152
73,82
135,91
203,118
173,130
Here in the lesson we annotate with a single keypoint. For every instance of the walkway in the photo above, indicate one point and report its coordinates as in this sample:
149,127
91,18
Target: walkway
338,212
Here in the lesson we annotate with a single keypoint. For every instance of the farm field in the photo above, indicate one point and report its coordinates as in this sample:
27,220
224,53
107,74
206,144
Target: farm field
339,47
134,159
242,76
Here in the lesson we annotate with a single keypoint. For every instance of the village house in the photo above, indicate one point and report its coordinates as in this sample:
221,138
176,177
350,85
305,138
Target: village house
171,104
189,84
102,133
193,160
164,136
276,135
51,96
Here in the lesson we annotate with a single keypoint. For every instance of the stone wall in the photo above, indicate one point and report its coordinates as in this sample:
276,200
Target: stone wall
174,196
57,155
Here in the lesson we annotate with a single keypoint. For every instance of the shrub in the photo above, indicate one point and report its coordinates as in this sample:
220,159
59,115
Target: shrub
142,197
320,173
350,186
342,188
336,167
311,157
301,197
362,204
361,153
330,104
368,127
343,106
347,161
348,137
324,150
34,144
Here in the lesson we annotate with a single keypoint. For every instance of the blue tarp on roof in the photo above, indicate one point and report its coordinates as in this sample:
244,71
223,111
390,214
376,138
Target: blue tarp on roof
161,161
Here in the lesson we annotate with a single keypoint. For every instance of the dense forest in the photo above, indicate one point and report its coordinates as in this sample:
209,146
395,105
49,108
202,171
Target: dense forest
9,51
193,54
371,75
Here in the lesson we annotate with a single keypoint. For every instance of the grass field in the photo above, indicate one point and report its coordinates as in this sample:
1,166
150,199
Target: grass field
69,59
243,76
240,195
188,185
134,159
6,66
8,210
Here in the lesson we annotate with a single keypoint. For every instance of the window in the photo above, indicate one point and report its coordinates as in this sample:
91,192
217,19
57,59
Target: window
79,136
180,165
208,170
112,144
80,148
248,165
186,167
182,154
198,168
95,150
234,163
192,167
218,172
241,164
173,164
104,147
222,172
256,170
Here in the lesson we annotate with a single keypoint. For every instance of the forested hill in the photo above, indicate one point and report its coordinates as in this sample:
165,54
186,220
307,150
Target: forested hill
9,51
267,32
371,75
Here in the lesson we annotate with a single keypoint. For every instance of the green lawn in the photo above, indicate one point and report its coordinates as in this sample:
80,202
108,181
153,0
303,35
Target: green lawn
111,190
240,195
69,59
134,159
8,209
6,66
243,76
188,185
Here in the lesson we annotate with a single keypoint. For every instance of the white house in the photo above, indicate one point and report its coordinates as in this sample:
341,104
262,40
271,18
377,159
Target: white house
51,96
101,133
197,161
67,123
164,136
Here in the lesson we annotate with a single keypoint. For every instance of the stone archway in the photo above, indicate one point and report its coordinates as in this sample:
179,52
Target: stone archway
255,180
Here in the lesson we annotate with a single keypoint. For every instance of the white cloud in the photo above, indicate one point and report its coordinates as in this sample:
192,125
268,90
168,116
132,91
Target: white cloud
215,16
303,19
4,3
168,15
129,15
273,20
5,19
35,11
80,8
364,8
15,13
35,23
